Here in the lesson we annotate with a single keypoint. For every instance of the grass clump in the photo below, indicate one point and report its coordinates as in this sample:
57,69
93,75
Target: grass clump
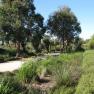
9,85
27,72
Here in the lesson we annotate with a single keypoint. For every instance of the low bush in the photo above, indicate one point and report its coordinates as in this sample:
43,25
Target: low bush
91,43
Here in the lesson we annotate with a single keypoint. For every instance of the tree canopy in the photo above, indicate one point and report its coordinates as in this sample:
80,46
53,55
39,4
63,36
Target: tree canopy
64,24
19,22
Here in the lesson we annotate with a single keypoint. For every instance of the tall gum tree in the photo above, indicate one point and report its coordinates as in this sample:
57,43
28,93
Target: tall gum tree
64,24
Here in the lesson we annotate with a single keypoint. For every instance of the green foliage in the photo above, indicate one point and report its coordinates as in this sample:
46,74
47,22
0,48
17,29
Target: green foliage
13,17
64,90
78,44
68,71
7,54
17,20
45,66
27,72
9,85
47,43
64,24
64,69
91,43
86,83
37,31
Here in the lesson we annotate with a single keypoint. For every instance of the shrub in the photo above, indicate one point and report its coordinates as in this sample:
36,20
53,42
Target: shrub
91,43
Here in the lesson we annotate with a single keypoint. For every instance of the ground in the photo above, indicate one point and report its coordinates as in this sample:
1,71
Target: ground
10,66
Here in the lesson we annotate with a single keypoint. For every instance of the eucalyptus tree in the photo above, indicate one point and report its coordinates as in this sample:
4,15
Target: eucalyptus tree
38,30
64,24
21,23
47,42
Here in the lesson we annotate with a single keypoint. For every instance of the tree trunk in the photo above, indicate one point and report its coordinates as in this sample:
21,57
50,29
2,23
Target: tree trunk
18,49
2,42
23,47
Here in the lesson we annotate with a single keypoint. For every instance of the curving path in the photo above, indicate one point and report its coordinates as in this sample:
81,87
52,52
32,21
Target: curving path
15,65
10,66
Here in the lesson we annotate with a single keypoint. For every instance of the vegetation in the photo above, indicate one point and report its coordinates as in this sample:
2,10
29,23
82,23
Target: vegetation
9,85
20,24
85,85
23,33
61,71
27,72
65,26
71,73
17,19
91,43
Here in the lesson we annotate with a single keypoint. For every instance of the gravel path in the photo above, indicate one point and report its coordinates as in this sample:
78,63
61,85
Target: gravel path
10,66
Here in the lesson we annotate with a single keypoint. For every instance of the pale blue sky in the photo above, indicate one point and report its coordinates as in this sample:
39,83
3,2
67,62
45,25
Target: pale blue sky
83,9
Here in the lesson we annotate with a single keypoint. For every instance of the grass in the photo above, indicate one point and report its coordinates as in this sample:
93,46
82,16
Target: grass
64,69
86,82
27,72
63,90
9,84
67,73
73,73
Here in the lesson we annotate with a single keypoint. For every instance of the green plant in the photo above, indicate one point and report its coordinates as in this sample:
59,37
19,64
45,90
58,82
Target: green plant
9,85
27,72
86,82
64,90
46,65
91,43
69,70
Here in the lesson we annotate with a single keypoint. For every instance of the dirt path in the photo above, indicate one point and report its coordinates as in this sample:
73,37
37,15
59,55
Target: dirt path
15,65
46,83
10,66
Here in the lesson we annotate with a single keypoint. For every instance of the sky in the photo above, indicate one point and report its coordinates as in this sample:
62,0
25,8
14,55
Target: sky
83,9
